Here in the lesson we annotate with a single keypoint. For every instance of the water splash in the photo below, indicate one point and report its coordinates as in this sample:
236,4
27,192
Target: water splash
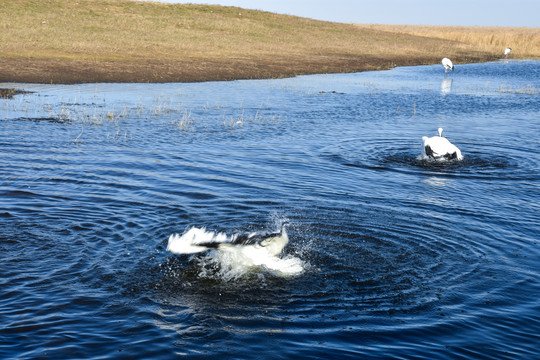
227,258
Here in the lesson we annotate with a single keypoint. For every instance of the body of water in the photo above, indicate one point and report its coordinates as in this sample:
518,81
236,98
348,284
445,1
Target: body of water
396,257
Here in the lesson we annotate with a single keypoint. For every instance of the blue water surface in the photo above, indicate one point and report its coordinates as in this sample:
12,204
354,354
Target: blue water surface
403,258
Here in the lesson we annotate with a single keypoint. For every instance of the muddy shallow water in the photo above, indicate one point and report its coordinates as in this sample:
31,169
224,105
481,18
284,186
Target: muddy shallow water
400,257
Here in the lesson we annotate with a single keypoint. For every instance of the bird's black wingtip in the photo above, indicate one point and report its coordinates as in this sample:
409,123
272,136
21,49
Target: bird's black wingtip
428,150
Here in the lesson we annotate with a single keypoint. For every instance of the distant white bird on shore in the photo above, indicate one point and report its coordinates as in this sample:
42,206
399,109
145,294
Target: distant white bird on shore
507,52
439,148
447,64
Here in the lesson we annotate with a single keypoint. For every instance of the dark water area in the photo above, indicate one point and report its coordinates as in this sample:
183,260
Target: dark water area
400,257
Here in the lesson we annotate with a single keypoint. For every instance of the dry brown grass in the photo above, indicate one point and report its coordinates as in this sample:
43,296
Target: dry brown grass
525,42
122,40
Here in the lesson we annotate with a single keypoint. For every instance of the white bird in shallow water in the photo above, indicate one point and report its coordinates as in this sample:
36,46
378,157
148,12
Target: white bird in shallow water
507,52
447,64
239,251
199,240
439,148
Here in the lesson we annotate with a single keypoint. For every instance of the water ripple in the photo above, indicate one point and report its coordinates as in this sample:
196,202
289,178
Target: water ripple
402,258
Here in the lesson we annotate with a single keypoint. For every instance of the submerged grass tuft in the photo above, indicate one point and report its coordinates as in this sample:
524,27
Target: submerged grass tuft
527,90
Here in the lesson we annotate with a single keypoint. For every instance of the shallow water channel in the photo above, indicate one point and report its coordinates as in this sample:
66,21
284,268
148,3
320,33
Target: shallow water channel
400,258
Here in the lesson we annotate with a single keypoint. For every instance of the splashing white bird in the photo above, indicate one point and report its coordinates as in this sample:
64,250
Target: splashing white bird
198,240
447,64
239,251
439,148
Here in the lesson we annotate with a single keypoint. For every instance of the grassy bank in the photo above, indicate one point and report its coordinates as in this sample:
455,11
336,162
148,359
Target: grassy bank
525,42
66,41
